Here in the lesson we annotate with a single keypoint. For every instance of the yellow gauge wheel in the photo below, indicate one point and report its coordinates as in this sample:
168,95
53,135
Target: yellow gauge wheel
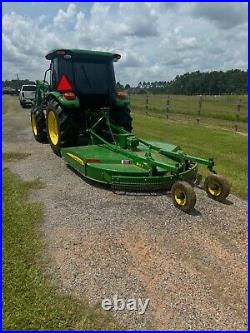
180,197
53,128
217,187
214,188
33,124
183,196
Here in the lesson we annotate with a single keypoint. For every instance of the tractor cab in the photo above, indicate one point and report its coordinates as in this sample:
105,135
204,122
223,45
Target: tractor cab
82,89
87,74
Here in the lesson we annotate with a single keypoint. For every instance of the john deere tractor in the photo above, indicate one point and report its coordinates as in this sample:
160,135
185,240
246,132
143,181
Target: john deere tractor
88,123
80,84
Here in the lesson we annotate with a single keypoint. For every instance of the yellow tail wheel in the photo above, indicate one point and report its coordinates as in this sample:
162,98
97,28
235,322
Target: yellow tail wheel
183,196
217,187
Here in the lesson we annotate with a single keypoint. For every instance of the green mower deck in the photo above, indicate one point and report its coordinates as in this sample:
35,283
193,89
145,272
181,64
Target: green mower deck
129,163
149,167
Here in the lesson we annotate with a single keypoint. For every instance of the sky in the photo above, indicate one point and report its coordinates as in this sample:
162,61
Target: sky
157,41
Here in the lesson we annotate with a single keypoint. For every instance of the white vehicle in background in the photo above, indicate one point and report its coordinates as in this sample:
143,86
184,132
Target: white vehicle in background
27,94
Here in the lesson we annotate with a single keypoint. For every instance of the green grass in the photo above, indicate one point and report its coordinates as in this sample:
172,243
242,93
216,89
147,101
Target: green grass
30,302
215,107
13,156
228,149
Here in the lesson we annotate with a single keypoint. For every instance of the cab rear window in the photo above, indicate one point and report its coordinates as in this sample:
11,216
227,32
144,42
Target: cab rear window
29,88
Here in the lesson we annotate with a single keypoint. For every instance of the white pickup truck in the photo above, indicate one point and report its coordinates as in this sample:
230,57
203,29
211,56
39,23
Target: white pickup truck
27,94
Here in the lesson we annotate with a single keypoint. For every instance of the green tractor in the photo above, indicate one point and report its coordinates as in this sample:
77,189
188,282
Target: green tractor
88,123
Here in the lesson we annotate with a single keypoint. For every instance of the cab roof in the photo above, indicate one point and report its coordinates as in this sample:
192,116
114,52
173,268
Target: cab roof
81,53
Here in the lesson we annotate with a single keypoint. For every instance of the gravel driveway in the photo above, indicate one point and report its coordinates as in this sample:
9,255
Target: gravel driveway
193,268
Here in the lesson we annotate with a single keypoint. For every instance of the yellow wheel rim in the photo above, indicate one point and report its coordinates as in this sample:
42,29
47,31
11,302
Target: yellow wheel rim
33,124
180,197
214,188
53,128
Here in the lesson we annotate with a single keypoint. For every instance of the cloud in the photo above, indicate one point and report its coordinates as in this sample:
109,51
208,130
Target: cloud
176,61
169,6
21,51
140,19
80,21
157,41
63,17
186,43
41,19
131,59
223,14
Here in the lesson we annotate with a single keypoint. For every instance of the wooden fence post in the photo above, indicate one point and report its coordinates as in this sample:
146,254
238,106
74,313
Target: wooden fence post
199,110
129,95
167,106
237,116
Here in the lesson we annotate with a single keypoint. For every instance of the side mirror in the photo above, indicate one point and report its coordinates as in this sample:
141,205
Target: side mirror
45,74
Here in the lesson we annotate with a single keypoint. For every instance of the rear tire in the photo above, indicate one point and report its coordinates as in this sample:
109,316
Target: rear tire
122,117
38,125
62,127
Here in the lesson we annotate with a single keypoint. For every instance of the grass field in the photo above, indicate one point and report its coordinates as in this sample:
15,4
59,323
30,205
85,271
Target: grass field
220,108
29,302
227,148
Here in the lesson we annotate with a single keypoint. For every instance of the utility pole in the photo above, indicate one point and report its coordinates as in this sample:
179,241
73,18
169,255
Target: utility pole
18,85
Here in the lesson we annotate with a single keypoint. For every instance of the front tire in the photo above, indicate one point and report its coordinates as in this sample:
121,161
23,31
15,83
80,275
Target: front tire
38,125
62,127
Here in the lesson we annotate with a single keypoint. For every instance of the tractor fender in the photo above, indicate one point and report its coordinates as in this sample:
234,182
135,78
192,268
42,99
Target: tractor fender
119,103
69,104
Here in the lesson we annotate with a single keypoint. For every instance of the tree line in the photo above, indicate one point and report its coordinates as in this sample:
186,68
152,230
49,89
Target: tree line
16,84
234,81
